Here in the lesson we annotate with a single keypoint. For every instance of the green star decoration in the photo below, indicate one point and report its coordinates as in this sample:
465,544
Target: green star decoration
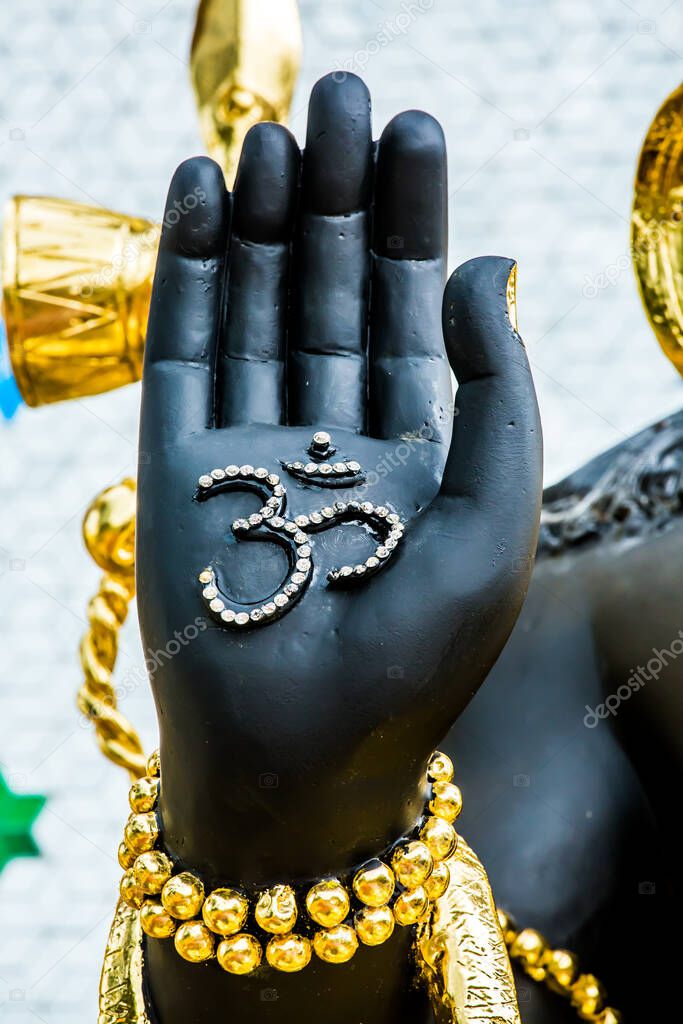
17,815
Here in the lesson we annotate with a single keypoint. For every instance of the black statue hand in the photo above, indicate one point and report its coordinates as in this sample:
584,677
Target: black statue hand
307,736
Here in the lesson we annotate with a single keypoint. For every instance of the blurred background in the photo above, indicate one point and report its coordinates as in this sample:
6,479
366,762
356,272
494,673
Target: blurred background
544,105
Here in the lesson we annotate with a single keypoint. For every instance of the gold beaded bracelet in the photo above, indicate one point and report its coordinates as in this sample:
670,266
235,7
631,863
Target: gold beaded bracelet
559,970
174,904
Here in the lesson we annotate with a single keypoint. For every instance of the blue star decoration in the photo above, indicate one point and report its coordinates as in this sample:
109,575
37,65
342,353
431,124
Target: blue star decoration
17,815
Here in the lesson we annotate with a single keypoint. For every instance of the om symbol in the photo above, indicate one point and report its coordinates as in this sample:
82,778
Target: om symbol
271,522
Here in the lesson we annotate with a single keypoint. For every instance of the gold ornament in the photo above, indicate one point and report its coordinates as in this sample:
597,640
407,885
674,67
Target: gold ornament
440,838
154,764
288,953
446,801
374,884
244,63
336,945
143,795
152,870
130,891
194,942
276,910
657,227
328,903
410,906
239,954
126,857
374,925
183,895
225,911
77,279
412,864
156,921
141,832
437,883
440,768
561,968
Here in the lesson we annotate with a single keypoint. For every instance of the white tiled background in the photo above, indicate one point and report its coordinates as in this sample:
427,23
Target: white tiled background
544,104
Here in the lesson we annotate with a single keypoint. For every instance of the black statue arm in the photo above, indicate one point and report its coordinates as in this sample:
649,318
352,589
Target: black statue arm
310,300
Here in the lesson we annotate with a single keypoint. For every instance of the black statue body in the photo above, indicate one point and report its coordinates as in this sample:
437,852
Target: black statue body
294,749
573,750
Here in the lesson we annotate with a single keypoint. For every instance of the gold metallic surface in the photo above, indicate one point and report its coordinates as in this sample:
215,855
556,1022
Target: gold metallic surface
374,884
76,288
143,795
336,945
511,297
156,921
412,864
194,942
152,870
437,883
141,832
244,64
410,906
276,910
446,801
657,226
374,925
327,903
130,891
225,911
239,954
126,857
461,953
154,764
288,953
440,838
121,992
109,534
183,896
559,969
440,767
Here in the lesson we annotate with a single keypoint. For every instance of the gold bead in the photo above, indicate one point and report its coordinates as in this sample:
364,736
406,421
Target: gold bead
588,995
374,884
152,870
374,925
440,837
225,912
154,765
194,942
336,945
440,768
155,921
410,906
141,832
126,857
143,795
240,954
446,801
412,864
528,947
288,953
608,1016
130,891
438,881
328,903
276,910
508,926
183,895
561,967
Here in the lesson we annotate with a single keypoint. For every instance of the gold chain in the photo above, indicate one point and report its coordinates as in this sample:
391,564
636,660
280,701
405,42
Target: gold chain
559,970
109,533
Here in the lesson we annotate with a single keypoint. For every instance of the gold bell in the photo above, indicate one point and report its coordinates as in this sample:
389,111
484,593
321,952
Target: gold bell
77,279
